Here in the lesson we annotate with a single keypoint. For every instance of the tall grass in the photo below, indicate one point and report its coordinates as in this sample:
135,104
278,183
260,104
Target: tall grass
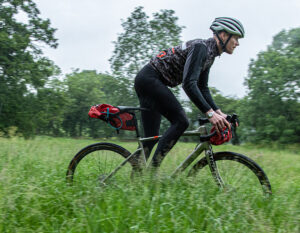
34,196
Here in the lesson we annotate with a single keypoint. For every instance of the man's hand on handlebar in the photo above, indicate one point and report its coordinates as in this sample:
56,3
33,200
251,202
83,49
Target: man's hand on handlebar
228,118
218,111
218,119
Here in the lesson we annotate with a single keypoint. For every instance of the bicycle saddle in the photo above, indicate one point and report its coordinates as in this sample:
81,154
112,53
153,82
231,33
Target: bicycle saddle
130,108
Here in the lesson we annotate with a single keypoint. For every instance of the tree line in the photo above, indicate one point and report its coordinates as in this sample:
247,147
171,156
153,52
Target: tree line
36,99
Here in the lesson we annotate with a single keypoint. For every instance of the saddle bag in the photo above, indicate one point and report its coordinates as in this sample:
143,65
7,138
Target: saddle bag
113,116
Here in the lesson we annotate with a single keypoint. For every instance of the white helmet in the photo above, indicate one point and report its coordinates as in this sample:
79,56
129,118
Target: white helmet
230,25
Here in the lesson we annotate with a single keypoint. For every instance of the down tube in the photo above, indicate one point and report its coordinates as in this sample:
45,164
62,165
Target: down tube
197,151
120,166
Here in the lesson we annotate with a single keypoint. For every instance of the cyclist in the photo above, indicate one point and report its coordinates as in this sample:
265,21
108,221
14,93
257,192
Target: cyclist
188,64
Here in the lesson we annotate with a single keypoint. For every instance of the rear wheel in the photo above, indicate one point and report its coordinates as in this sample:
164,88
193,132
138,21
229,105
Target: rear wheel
239,173
95,162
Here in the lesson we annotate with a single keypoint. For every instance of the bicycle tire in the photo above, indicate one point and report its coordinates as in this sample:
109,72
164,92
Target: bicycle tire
232,169
83,166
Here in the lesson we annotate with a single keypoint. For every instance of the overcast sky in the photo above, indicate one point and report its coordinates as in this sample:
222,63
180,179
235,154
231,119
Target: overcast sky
86,29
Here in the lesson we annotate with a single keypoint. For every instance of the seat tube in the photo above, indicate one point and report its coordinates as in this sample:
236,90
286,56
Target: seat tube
136,125
142,158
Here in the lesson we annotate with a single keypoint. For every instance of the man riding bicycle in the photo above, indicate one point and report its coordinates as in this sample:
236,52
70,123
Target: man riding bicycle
188,64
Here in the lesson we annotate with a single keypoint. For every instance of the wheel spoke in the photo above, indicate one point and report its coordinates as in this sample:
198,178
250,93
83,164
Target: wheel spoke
97,161
240,174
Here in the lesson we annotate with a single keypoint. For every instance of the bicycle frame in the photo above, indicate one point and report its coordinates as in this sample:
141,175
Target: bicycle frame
202,146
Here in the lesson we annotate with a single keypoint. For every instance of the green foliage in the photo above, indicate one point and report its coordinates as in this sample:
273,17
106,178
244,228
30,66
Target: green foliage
23,69
84,89
34,196
272,106
142,38
34,99
52,103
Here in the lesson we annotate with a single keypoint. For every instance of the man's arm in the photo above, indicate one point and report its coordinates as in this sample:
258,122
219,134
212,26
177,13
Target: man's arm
192,69
203,86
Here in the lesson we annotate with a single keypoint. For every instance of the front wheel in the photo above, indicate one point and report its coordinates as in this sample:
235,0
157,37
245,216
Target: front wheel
238,172
95,162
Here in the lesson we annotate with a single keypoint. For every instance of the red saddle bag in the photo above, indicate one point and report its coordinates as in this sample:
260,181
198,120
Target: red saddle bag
113,117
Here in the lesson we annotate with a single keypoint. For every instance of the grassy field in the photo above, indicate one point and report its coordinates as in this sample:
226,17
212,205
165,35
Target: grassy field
34,196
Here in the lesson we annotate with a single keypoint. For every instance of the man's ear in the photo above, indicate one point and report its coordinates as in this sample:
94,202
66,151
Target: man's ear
223,35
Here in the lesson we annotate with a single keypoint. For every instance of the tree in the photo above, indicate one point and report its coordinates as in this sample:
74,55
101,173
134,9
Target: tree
141,39
50,105
272,106
84,89
23,69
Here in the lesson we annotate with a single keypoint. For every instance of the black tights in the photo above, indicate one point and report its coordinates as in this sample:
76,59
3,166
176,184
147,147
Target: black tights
155,95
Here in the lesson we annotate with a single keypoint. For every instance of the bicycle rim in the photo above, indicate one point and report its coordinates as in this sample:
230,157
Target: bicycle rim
240,174
94,163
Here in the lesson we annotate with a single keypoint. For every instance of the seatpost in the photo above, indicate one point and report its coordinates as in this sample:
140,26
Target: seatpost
136,125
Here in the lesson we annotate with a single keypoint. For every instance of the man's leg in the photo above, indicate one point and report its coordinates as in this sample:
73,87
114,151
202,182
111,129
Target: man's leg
155,95
151,124
173,111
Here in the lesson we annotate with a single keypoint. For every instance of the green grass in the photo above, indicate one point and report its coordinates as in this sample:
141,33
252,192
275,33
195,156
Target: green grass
34,196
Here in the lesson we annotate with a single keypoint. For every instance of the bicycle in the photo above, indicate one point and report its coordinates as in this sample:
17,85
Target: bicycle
230,170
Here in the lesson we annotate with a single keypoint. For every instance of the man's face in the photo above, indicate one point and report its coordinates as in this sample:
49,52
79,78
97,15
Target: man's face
232,43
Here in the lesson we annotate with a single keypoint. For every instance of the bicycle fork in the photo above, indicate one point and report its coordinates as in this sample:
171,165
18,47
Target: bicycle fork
213,167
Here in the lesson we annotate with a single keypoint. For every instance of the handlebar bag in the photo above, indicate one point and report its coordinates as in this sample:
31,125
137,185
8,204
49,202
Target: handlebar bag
224,136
